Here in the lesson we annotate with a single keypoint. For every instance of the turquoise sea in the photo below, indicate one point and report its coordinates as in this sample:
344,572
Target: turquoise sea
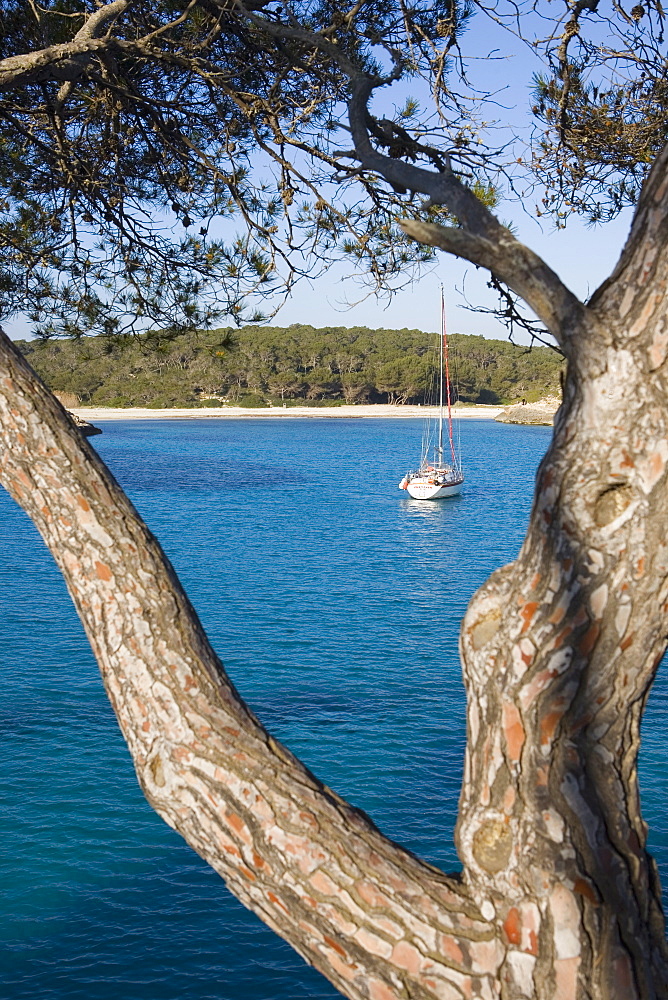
335,602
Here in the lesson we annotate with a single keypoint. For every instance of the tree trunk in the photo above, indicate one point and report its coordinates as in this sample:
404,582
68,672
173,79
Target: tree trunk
559,651
559,899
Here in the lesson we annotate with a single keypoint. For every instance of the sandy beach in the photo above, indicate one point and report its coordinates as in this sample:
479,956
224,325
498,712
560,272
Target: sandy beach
98,413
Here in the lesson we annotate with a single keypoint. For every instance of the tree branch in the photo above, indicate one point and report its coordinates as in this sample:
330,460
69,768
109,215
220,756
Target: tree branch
482,238
518,267
643,259
64,61
99,21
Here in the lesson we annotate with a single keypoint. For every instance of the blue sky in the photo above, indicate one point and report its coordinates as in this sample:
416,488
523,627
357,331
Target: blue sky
582,257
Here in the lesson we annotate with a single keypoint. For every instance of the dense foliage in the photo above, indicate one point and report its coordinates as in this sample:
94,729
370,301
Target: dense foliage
159,163
262,365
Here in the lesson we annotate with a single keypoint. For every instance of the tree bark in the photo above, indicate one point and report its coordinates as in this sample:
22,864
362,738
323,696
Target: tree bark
559,652
67,60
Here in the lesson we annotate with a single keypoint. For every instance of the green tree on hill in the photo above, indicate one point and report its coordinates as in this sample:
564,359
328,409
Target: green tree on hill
379,365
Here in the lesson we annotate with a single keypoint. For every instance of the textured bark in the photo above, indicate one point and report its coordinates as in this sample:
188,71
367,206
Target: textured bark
516,265
559,651
67,60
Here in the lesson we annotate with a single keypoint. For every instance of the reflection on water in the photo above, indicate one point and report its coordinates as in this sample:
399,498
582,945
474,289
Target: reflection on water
431,510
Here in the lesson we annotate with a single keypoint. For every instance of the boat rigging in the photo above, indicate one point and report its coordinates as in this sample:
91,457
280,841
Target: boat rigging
437,477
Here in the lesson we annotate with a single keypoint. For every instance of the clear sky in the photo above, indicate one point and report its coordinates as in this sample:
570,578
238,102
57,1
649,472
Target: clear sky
582,257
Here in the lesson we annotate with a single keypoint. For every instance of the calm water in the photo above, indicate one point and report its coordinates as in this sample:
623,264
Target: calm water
335,602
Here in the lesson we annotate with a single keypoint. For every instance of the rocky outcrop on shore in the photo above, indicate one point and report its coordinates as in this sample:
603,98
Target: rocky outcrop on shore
69,400
539,413
87,429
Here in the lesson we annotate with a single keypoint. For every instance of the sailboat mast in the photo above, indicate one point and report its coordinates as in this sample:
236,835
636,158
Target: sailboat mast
444,357
440,380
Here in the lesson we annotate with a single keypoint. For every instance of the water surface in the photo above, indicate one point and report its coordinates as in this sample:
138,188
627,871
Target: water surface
335,601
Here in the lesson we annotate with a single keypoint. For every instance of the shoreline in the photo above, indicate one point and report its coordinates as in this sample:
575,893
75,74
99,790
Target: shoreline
377,410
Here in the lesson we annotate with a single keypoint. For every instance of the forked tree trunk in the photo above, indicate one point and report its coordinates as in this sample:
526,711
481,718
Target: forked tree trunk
559,899
559,651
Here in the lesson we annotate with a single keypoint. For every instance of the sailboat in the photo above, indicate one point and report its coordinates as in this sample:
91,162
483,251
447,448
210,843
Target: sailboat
437,476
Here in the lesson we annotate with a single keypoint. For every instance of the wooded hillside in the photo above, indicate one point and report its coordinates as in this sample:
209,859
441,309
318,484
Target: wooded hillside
256,366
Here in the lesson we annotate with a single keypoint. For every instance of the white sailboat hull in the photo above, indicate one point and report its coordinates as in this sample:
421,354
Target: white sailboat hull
422,489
